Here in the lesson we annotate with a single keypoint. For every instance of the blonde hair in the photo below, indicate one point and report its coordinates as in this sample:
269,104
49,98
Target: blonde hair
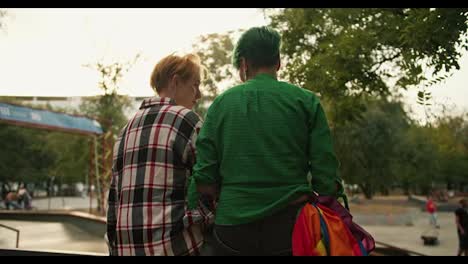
185,67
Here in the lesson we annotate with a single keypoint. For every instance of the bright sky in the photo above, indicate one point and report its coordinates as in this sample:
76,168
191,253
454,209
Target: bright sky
42,50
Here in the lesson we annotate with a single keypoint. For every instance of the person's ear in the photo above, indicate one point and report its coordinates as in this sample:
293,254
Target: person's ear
173,84
243,69
175,80
243,64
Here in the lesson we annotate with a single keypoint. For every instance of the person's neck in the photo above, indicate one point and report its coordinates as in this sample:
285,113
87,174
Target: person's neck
268,71
165,94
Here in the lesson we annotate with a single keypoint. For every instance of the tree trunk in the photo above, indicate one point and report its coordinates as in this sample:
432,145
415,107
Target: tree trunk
406,188
367,190
384,190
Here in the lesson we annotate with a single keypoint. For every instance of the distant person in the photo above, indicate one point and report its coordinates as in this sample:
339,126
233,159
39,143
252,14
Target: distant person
24,198
11,201
431,209
5,190
50,186
153,159
80,189
461,216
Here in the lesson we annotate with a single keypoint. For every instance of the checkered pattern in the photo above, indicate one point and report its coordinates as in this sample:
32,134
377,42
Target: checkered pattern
153,158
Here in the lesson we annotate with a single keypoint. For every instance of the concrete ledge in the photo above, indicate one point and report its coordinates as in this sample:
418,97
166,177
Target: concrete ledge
91,224
32,215
22,252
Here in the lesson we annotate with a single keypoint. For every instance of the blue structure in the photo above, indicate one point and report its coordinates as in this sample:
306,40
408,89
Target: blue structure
21,115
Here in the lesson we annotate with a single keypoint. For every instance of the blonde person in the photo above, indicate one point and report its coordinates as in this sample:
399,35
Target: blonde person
153,157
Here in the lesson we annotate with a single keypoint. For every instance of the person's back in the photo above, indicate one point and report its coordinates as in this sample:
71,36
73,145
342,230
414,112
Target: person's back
11,201
11,196
263,136
259,141
430,206
153,157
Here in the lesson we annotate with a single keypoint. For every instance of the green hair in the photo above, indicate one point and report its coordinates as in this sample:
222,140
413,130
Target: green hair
260,46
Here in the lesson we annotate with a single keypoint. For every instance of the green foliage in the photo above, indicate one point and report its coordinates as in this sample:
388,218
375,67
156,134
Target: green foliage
71,156
366,146
337,52
21,156
109,108
215,51
357,60
32,155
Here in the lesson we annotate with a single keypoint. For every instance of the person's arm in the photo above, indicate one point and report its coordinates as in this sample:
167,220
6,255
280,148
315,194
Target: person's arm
112,215
113,196
323,162
205,172
201,211
458,223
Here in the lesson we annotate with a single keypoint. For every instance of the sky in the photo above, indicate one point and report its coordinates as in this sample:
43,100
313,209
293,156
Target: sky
42,51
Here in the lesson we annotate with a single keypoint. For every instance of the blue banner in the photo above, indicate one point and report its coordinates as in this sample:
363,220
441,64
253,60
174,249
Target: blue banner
44,118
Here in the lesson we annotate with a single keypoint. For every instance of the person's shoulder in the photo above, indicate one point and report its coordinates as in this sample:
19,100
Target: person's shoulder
185,113
231,91
227,95
300,91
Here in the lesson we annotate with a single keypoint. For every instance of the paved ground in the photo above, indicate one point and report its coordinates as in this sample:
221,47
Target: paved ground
67,203
53,236
409,237
50,236
400,222
394,221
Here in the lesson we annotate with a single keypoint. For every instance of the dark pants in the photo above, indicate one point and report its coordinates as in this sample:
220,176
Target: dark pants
268,236
463,240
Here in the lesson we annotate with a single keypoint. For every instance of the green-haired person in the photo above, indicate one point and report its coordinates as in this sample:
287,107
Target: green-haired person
259,142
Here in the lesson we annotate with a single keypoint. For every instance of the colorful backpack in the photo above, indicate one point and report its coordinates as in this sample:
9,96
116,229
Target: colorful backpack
324,228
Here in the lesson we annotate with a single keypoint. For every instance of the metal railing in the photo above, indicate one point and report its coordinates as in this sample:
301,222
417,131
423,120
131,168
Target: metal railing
394,250
14,230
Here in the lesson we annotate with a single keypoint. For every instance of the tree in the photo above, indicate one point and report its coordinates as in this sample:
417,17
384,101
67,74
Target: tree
215,51
449,134
419,160
366,146
109,110
341,52
350,57
71,156
110,107
23,157
32,155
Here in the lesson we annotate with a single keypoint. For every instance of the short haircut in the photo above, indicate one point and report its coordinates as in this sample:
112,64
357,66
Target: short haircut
260,46
186,67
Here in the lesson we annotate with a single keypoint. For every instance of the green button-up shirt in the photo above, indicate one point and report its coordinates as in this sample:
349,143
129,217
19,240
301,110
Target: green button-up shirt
259,141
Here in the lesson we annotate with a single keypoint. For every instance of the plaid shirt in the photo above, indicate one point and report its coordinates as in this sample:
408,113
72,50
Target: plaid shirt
153,158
